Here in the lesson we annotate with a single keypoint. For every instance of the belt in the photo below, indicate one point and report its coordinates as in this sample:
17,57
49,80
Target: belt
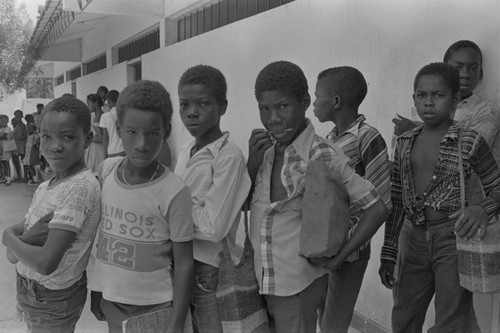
30,284
436,224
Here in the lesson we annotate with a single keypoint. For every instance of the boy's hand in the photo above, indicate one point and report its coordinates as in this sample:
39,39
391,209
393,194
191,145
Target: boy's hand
38,233
402,124
332,263
11,258
386,273
14,231
473,221
257,145
95,305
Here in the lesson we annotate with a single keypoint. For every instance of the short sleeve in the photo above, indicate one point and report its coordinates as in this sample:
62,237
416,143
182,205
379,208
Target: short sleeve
77,202
361,191
180,218
105,119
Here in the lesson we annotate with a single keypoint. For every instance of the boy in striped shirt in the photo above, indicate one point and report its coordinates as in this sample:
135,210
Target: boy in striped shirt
339,93
426,189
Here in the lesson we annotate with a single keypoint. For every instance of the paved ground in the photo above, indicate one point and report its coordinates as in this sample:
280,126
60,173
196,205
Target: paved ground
14,202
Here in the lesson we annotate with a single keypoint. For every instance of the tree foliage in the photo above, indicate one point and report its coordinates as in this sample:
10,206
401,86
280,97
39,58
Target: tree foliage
17,57
40,87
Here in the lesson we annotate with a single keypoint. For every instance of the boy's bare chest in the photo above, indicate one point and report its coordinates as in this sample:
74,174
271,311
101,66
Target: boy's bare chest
278,192
423,157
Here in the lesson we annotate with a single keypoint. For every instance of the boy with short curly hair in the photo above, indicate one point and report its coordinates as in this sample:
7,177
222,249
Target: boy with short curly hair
146,219
51,279
292,285
426,190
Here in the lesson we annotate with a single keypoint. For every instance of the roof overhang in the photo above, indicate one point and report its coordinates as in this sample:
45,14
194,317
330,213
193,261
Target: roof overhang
63,23
117,7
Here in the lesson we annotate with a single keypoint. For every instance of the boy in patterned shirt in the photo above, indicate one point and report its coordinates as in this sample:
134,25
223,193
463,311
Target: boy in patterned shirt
292,285
53,244
339,93
426,189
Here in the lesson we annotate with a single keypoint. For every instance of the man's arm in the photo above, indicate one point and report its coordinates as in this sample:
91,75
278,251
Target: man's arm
215,213
105,141
183,284
474,220
376,163
258,144
44,260
371,220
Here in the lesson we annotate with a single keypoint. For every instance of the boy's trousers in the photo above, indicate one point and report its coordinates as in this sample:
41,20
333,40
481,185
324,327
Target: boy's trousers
297,313
343,289
430,267
47,310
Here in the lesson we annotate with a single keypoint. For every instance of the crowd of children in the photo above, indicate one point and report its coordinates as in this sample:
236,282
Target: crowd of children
157,234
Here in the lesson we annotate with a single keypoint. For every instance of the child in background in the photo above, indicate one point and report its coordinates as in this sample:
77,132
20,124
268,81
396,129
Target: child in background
110,139
215,171
146,223
6,153
31,159
102,91
472,112
339,93
479,115
95,154
292,285
426,189
20,135
51,280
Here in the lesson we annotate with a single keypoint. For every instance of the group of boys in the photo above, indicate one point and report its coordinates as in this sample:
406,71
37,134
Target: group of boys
25,158
160,233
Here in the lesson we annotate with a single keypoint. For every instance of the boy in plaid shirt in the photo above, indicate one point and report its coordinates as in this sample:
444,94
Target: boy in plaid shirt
293,286
426,189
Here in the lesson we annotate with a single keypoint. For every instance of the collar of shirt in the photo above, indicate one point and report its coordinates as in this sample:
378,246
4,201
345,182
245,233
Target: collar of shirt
302,143
212,148
353,128
469,102
452,133
297,151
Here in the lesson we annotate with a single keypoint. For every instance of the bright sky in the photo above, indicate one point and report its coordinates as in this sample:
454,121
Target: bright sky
32,7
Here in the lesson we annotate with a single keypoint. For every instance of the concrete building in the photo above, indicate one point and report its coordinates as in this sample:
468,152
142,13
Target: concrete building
115,42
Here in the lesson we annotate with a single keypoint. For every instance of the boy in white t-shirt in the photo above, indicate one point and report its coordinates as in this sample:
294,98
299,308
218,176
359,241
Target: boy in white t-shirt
110,138
146,219
51,280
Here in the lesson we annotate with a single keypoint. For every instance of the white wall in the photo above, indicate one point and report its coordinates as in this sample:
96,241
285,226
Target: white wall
388,40
111,31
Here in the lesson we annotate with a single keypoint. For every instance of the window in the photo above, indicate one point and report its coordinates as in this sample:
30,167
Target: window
73,88
141,45
94,65
220,13
74,74
59,80
134,72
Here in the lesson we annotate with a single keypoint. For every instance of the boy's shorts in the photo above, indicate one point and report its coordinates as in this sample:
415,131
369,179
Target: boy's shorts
116,313
50,311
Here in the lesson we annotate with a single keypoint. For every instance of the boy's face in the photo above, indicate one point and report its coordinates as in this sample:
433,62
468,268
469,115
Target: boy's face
63,141
143,134
199,110
283,114
434,100
323,104
468,63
